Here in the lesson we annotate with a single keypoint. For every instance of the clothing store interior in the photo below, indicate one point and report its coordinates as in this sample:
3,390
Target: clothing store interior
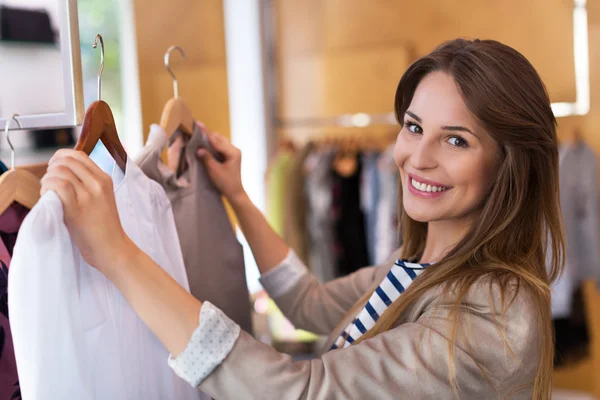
305,89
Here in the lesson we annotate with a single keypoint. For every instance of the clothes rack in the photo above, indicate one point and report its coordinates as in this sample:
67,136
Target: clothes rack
359,120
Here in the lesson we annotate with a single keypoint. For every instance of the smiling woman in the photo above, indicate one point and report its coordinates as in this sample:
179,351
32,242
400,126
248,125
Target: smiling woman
446,169
464,310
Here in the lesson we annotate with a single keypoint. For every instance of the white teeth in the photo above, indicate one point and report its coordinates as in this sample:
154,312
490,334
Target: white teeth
427,188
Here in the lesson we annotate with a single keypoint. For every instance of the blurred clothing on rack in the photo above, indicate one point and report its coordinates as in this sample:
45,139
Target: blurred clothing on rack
581,220
369,200
10,222
386,233
349,220
295,232
320,223
278,185
341,204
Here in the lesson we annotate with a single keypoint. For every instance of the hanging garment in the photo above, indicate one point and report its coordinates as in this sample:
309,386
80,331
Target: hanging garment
369,199
213,258
75,336
277,187
295,232
563,287
579,206
386,233
10,222
320,224
351,247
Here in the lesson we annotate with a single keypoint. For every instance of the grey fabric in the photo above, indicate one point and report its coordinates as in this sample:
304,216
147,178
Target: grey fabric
579,205
213,257
369,199
386,231
318,188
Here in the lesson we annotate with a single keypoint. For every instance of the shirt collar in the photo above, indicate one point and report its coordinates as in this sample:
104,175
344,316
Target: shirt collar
411,265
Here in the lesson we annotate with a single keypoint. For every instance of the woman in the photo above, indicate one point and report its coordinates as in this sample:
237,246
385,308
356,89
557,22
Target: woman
464,314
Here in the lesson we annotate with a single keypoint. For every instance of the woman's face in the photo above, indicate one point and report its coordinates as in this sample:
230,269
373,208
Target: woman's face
447,161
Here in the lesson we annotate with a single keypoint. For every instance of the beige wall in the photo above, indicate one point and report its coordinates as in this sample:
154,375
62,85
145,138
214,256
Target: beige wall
346,56
198,27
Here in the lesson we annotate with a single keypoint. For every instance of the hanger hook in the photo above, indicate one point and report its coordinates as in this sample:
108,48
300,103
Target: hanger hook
12,149
98,36
168,67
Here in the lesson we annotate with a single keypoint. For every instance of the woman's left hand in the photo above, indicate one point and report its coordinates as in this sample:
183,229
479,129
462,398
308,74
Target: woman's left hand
90,210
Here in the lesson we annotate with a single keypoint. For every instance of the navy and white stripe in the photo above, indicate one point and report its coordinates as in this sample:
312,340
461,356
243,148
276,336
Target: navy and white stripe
395,282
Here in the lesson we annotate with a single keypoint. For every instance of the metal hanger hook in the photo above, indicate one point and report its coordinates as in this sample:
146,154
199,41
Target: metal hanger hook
98,36
12,149
168,67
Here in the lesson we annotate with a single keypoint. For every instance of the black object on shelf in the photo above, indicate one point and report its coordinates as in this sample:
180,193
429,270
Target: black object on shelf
49,138
24,25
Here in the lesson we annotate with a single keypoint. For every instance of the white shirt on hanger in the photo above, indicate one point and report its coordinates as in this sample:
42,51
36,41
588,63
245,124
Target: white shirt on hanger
75,336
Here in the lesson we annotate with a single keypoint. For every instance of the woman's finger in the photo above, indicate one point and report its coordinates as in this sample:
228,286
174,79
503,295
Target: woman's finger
81,157
63,188
207,158
61,169
221,145
88,174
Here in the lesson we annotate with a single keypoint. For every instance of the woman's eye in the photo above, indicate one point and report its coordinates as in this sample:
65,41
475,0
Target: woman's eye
414,128
458,142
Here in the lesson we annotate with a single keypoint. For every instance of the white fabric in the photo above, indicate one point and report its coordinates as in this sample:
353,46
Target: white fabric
283,277
209,345
75,336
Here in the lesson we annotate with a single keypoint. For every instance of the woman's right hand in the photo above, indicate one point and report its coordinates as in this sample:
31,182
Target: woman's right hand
226,175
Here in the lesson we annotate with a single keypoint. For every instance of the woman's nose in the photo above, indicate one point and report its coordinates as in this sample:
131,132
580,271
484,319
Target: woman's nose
424,155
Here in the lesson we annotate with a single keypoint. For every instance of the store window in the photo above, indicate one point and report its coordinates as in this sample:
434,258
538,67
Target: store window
101,16
113,19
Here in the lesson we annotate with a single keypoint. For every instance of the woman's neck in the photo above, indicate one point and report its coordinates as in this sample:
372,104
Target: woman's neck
442,236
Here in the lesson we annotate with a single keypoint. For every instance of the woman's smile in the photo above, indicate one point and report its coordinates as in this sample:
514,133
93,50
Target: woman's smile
426,188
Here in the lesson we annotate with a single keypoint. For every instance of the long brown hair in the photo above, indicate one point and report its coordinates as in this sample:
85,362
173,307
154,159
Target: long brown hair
520,220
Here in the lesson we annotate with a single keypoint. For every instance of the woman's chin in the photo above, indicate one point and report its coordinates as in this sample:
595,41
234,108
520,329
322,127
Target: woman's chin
419,215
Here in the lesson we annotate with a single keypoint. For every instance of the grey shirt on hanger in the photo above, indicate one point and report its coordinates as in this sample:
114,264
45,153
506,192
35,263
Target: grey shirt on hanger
213,257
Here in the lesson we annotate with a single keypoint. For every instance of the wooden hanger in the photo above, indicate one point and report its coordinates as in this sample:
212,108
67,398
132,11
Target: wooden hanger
176,114
99,124
17,185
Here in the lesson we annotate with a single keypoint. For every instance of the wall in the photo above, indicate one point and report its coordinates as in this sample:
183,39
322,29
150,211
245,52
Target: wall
346,56
198,28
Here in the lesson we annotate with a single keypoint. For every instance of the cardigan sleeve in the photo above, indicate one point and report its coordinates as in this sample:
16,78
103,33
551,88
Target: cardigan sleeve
408,361
309,304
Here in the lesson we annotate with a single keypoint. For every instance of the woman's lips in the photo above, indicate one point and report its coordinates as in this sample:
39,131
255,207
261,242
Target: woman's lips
426,188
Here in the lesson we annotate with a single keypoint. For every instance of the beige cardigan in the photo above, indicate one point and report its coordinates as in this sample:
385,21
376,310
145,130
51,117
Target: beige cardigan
409,361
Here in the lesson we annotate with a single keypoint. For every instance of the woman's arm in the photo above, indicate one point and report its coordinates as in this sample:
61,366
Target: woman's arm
91,216
267,246
168,309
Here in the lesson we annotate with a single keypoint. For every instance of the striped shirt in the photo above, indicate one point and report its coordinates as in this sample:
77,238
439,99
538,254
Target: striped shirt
395,282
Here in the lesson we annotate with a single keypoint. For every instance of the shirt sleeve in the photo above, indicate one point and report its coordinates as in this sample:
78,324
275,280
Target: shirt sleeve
283,277
43,300
209,345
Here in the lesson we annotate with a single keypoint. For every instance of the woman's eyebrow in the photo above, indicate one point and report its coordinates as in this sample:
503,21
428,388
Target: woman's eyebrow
458,128
451,128
415,116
